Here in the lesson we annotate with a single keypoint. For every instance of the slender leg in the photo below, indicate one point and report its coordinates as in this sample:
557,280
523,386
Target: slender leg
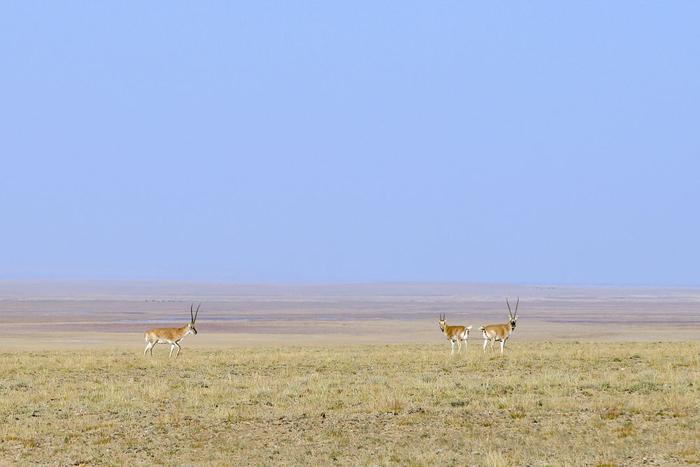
148,347
452,343
178,349
459,346
172,347
466,347
153,345
503,343
486,342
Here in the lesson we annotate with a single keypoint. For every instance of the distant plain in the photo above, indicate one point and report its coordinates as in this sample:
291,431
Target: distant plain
54,315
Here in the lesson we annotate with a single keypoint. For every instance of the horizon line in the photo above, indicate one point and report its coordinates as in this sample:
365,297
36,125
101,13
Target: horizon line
332,283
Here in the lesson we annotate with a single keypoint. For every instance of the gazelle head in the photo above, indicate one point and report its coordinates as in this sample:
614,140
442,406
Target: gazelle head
193,318
442,323
513,317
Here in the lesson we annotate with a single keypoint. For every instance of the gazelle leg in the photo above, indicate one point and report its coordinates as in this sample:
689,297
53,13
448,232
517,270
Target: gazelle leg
178,349
503,343
148,347
172,347
459,346
466,347
153,345
486,342
452,343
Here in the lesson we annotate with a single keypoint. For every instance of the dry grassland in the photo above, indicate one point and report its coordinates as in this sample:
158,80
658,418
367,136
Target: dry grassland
540,404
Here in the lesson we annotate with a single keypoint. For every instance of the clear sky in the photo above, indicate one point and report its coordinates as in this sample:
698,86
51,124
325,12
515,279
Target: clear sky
536,142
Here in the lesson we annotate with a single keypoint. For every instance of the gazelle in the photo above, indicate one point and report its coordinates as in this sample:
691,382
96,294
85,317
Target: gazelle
500,332
171,336
455,334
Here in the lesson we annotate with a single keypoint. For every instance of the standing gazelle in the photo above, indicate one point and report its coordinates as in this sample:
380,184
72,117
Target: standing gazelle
171,336
455,334
500,332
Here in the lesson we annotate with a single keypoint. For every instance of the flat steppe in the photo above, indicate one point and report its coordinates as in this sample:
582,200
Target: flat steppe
348,375
541,404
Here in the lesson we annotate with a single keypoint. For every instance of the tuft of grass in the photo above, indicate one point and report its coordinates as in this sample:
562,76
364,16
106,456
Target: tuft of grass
496,459
395,405
626,430
517,413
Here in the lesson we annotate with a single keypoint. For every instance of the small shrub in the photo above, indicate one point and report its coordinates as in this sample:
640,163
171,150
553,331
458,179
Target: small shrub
644,387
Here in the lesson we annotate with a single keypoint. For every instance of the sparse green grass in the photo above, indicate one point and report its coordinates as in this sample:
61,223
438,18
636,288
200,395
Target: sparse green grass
540,404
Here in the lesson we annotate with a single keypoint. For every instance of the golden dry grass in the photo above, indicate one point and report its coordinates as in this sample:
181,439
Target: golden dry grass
540,404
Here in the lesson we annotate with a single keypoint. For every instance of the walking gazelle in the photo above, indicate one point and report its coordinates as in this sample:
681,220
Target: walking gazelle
455,334
500,332
171,336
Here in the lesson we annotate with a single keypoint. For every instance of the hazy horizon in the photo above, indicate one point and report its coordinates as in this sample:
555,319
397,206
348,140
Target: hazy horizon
485,143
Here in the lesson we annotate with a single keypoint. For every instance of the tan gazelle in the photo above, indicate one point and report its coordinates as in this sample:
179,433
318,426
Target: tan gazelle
455,334
500,332
171,336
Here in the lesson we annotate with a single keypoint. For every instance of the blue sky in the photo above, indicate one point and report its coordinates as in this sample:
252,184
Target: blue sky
361,141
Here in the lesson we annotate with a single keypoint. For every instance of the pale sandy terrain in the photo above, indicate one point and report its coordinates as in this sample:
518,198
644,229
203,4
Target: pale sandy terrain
53,315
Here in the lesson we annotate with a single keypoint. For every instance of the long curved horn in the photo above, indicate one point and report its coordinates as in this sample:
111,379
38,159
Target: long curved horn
516,308
510,313
191,316
196,313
